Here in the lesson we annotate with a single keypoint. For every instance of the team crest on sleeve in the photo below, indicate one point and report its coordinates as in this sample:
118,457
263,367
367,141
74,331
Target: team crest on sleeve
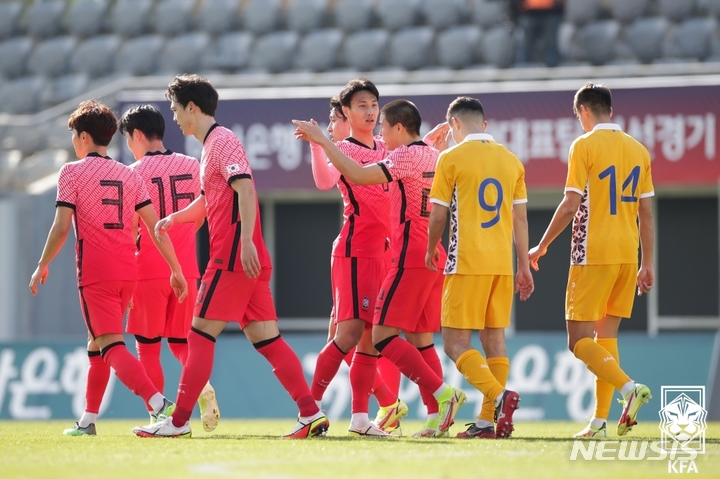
387,162
231,169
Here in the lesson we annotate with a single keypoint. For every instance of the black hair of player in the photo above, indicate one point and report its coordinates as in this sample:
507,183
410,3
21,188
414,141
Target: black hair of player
187,88
404,112
145,118
95,119
336,106
464,105
356,86
594,96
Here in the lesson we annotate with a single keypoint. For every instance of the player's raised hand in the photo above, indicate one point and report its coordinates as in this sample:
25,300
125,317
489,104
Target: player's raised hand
645,279
179,285
524,283
308,131
39,276
163,225
249,259
438,136
534,255
431,258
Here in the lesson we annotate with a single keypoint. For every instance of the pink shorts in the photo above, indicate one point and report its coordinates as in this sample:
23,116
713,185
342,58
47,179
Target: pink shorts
410,299
355,285
156,311
232,296
103,306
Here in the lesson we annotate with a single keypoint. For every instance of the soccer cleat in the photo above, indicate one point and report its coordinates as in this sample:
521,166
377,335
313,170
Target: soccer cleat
394,429
163,428
504,412
371,430
592,432
165,412
473,431
631,405
76,430
449,402
313,428
209,410
430,429
388,416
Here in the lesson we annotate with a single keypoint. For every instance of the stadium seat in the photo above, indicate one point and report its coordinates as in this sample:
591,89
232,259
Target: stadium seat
581,12
318,50
51,57
676,10
305,15
95,55
9,15
43,18
218,16
457,47
693,38
353,15
497,47
489,13
411,48
64,88
646,37
39,165
261,16
364,50
129,17
173,16
231,52
182,53
713,7
397,14
138,56
85,17
442,14
274,52
598,40
21,96
13,55
626,11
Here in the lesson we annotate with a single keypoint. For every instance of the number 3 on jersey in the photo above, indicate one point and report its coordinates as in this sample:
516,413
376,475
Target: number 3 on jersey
491,207
631,181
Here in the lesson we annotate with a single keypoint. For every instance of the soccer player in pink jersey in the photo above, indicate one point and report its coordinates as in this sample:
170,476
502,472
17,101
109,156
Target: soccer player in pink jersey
409,299
173,182
236,284
101,197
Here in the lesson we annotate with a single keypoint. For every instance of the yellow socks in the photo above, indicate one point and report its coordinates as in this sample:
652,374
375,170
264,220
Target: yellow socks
604,391
500,368
477,372
601,363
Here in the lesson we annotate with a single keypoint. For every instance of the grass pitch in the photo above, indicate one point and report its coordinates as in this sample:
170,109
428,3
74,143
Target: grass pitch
252,449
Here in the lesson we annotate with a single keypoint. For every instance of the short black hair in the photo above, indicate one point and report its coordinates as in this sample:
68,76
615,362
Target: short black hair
187,88
96,119
145,118
355,86
595,96
404,112
336,106
465,105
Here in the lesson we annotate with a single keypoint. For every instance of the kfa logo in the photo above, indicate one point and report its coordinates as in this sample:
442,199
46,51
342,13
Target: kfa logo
683,423
365,303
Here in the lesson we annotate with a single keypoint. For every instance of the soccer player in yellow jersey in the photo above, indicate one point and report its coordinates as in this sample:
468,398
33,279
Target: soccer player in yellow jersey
608,188
482,184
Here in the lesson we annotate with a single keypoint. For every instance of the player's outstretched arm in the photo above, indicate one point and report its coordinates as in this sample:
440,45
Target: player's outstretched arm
195,212
325,174
246,206
55,241
436,226
646,275
564,213
523,278
165,246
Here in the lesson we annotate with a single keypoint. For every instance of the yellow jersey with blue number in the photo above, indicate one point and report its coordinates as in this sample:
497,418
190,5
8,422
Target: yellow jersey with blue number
479,180
611,170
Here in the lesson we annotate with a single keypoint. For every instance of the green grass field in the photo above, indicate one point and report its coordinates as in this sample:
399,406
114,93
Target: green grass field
251,449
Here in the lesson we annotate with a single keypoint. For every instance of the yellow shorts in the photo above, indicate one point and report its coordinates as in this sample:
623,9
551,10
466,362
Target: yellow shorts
477,301
596,291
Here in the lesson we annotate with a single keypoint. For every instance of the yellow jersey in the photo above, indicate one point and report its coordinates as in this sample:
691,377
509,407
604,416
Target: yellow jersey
611,170
479,180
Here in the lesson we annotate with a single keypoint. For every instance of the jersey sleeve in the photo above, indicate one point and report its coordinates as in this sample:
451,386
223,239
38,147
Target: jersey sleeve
520,194
443,183
398,165
577,168
233,161
142,198
647,189
66,191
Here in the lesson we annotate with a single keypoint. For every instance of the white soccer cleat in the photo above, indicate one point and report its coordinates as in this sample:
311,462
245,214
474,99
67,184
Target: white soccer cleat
163,428
369,430
209,409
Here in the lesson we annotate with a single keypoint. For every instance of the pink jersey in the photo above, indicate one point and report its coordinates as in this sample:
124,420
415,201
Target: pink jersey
410,171
104,195
173,182
223,161
366,208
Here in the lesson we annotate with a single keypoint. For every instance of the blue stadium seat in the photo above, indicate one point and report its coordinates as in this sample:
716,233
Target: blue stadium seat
397,14
130,17
646,37
13,55
173,16
218,16
305,15
138,56
9,16
457,47
626,11
274,52
182,54
364,50
676,10
319,50
581,12
43,18
489,13
598,40
95,55
411,48
230,53
353,15
85,17
51,57
261,16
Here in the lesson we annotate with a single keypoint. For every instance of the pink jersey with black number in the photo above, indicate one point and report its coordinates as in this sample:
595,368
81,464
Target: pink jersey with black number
365,208
104,195
223,161
173,182
410,171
